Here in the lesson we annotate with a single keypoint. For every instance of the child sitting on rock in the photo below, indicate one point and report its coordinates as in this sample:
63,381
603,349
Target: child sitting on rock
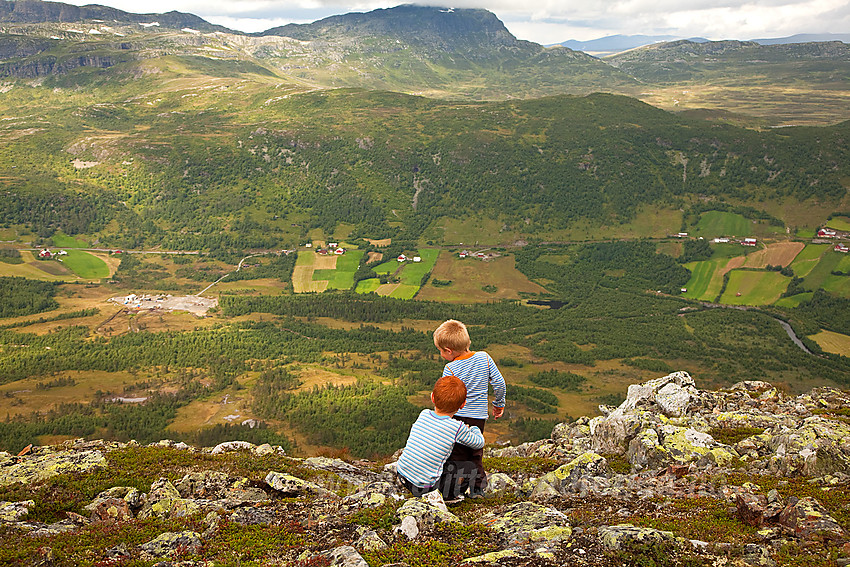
424,464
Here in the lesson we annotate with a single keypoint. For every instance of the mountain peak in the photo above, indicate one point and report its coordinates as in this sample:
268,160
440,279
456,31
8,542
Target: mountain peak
440,27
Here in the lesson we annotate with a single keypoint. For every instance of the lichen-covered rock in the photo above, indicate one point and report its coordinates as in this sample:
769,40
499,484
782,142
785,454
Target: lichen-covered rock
372,495
163,501
111,511
290,485
612,434
37,467
230,446
172,543
346,471
369,541
528,522
807,519
214,485
344,556
566,476
819,446
11,512
493,558
623,536
428,510
500,483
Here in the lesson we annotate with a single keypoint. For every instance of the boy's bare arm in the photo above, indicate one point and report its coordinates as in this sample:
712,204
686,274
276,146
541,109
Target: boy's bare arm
498,412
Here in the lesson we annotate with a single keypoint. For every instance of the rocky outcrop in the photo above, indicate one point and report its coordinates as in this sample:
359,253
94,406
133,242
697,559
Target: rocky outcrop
611,480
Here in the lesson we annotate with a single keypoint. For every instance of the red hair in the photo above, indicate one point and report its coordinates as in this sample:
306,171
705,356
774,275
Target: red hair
449,394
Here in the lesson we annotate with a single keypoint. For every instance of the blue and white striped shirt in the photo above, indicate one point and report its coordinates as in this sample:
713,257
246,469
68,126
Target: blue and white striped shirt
477,371
429,445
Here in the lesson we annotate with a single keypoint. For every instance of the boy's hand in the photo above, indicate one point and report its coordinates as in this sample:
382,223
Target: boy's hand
497,412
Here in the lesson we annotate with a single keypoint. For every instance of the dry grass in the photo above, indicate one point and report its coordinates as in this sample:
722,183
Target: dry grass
836,343
379,243
469,275
776,254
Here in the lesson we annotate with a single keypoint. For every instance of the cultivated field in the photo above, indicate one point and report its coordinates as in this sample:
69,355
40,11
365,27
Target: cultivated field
807,259
85,265
718,223
469,275
302,276
794,300
835,343
707,277
755,288
839,223
776,254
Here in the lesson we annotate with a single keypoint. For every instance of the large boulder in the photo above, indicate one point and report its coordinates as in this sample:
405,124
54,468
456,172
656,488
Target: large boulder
818,447
163,501
171,543
625,536
564,478
37,467
214,485
807,519
526,522
11,512
427,510
289,485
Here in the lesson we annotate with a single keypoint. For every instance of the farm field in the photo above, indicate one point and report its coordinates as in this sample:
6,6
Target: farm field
707,276
469,275
794,300
719,223
302,275
839,285
839,223
342,276
775,254
756,288
86,265
807,259
368,286
836,343
44,270
822,272
703,284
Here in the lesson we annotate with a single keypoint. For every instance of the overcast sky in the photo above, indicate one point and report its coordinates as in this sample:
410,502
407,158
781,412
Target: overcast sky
548,21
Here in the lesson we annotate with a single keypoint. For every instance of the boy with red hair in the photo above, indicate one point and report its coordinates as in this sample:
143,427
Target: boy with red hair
422,466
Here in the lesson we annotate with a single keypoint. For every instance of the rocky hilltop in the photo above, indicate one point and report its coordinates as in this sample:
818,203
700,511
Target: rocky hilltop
673,476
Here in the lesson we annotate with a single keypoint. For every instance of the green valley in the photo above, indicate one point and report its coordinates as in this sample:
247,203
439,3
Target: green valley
581,222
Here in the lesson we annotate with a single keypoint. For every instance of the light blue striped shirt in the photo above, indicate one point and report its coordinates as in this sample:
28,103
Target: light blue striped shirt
477,372
429,445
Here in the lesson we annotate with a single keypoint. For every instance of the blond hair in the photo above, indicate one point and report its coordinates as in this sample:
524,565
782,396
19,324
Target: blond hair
452,335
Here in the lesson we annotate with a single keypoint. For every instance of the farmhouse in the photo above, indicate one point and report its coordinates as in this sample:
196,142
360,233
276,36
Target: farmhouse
842,248
417,258
339,251
333,244
45,254
463,254
402,258
721,240
321,251
749,242
826,233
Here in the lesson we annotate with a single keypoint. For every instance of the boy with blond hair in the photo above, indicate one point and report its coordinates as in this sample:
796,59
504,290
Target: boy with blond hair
422,466
478,372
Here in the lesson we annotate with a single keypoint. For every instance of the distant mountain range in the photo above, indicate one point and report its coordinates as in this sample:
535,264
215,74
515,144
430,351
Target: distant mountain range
37,11
618,43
